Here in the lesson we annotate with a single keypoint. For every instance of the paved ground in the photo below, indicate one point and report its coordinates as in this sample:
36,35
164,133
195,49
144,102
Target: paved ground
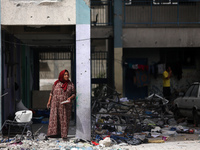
178,145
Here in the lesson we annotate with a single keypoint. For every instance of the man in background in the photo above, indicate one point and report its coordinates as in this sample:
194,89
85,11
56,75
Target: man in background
166,82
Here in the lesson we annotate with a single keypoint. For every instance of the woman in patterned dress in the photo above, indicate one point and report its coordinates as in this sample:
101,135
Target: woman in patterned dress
62,90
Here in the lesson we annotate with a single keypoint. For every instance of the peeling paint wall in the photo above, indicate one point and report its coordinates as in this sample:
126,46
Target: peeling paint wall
38,12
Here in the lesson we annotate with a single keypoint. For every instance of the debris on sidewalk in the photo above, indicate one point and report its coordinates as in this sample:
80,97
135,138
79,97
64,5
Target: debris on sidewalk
117,124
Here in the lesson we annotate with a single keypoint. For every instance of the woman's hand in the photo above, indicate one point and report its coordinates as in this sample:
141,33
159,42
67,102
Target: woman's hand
48,105
68,101
49,102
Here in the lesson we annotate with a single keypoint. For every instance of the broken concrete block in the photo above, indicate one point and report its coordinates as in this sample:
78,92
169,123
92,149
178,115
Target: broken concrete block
107,142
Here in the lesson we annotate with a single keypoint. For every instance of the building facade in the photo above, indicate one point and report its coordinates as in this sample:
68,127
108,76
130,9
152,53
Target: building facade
151,34
123,44
36,33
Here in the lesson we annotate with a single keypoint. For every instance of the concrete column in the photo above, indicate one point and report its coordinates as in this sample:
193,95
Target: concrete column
83,73
118,50
118,70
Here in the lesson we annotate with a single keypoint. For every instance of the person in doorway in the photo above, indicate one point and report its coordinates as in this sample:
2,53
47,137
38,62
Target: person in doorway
60,102
167,74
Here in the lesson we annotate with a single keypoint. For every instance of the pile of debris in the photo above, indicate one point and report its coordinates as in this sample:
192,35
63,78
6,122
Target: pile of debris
137,121
109,142
116,125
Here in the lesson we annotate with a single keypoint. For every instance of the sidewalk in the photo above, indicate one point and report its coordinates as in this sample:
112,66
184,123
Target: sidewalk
178,145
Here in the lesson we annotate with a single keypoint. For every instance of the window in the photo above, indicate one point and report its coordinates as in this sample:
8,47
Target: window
195,91
187,94
51,63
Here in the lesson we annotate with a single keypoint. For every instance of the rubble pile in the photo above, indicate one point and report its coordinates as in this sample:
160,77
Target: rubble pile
116,125
101,142
137,122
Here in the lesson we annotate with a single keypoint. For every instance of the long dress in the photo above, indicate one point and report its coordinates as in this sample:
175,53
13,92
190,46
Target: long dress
60,113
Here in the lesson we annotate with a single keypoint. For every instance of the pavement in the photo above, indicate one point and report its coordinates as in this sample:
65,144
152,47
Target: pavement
177,145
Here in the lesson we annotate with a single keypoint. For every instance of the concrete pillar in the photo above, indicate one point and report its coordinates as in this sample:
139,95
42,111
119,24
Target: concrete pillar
83,73
118,70
118,50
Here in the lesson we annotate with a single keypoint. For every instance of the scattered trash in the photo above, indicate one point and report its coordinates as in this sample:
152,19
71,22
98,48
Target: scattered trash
106,142
42,136
124,99
165,138
169,133
191,131
156,141
156,129
117,124
172,122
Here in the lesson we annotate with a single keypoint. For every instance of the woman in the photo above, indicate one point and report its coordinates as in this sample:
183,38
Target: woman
62,90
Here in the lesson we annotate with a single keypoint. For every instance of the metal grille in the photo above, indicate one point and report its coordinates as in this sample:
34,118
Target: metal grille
55,56
101,12
99,70
99,64
158,12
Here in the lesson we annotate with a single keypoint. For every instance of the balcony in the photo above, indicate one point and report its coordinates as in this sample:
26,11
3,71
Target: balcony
161,13
101,13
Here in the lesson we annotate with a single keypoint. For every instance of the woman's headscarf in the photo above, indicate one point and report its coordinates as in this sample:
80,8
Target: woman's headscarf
61,79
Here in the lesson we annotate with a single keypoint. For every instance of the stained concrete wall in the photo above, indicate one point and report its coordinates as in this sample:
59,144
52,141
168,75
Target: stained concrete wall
38,12
101,32
161,37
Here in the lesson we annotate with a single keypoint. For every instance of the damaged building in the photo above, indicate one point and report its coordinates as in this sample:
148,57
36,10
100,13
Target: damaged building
39,39
150,34
123,44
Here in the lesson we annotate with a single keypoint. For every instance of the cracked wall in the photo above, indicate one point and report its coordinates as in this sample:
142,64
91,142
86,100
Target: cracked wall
38,12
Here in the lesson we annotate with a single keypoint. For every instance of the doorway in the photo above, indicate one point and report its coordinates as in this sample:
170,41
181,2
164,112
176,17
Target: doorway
134,81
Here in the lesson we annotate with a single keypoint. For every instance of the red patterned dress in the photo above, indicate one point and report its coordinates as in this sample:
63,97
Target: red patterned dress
60,113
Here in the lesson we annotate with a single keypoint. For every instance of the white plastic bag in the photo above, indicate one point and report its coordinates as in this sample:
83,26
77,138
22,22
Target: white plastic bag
23,116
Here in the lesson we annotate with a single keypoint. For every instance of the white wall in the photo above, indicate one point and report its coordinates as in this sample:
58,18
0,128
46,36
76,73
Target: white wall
38,12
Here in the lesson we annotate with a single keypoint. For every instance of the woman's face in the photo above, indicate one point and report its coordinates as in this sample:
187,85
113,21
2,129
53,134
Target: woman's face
66,76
